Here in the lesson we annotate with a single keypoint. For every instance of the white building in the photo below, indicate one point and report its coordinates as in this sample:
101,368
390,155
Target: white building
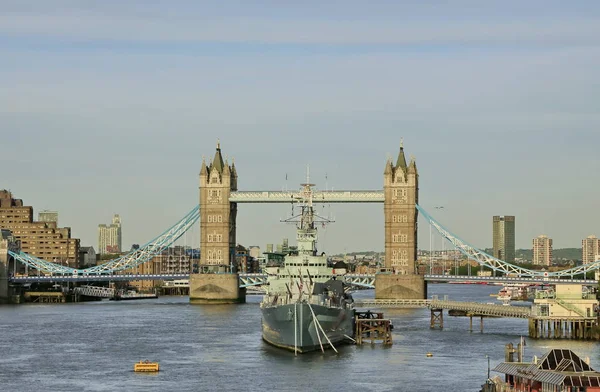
48,216
590,248
542,250
87,256
254,251
109,236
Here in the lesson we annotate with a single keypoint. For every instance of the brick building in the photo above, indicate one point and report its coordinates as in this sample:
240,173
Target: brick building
43,240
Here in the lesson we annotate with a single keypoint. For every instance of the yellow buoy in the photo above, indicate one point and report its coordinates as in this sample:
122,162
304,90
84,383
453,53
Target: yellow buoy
146,366
429,355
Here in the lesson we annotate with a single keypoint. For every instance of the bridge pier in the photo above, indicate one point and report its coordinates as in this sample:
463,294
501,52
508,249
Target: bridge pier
216,289
390,286
437,318
4,297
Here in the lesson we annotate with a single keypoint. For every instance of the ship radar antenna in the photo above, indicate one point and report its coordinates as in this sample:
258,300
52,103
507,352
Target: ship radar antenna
308,174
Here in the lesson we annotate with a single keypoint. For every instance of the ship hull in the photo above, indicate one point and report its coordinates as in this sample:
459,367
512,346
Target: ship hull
292,327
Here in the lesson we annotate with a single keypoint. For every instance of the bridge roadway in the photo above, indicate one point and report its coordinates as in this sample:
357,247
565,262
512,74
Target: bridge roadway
247,280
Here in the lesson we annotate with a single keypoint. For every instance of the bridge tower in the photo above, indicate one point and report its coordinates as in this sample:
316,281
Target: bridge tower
216,280
3,271
401,195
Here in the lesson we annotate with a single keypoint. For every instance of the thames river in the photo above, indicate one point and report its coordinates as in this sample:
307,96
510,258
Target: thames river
93,346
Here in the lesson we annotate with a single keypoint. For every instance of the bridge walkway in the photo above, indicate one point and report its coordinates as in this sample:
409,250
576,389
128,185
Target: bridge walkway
471,308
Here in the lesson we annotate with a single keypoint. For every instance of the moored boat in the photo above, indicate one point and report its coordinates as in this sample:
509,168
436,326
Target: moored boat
305,308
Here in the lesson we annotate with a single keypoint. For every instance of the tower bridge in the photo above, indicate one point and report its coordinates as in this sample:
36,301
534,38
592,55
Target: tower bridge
219,197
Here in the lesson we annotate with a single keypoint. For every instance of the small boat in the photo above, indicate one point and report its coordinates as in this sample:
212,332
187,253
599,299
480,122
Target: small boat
504,295
146,366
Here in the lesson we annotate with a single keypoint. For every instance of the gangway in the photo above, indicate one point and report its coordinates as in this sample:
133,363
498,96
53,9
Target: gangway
95,291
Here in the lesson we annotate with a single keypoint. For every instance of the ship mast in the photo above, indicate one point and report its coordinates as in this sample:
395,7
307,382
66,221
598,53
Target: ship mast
306,230
306,235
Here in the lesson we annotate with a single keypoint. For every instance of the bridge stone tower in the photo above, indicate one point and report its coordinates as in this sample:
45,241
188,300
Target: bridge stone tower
217,215
401,195
216,280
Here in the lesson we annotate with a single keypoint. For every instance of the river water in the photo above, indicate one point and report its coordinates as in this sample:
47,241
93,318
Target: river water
93,346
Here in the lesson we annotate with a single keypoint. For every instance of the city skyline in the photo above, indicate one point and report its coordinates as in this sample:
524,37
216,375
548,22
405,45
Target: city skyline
500,114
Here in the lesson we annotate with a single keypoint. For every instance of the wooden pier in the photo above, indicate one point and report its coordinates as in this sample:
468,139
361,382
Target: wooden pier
372,326
53,297
563,328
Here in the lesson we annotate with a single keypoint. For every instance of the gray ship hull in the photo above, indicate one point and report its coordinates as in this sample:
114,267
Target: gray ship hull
291,326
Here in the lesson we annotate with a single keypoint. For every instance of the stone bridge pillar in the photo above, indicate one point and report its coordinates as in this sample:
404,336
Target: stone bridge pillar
401,195
7,243
3,273
216,280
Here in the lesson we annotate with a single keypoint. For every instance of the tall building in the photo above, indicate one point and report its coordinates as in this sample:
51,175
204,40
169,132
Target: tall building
504,238
401,194
109,236
43,240
590,248
48,216
542,250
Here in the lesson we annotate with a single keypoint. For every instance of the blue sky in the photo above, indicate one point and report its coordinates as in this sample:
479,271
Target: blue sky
108,108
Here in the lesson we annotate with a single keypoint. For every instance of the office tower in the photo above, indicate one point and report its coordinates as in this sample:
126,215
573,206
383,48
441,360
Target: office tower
109,236
504,238
48,216
590,248
542,250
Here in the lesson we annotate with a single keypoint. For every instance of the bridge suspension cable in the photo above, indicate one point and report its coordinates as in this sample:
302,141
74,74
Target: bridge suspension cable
130,260
489,261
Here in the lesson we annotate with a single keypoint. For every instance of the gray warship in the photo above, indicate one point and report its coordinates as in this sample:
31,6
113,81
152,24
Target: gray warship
305,308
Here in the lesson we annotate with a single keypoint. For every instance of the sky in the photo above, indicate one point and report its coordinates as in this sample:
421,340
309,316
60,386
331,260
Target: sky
108,107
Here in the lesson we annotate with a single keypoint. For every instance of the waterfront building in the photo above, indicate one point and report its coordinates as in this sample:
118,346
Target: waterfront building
504,238
241,258
48,216
44,240
174,260
254,251
590,249
542,250
87,256
559,370
109,236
